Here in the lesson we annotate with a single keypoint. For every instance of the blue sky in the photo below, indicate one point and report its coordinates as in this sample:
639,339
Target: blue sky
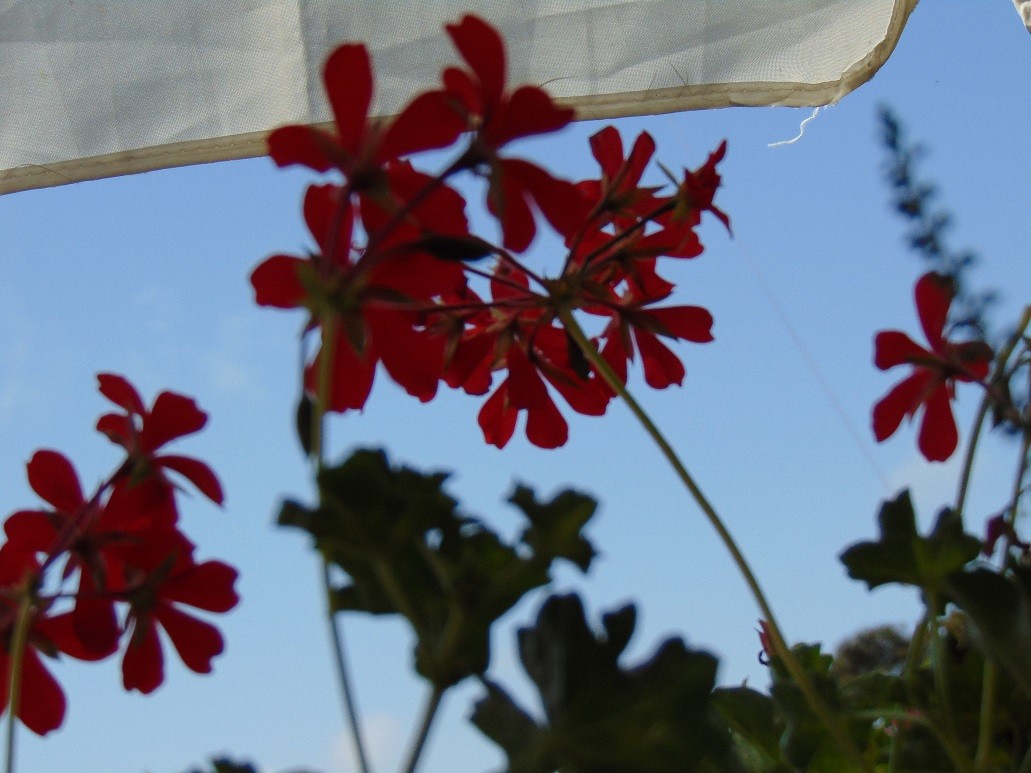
146,276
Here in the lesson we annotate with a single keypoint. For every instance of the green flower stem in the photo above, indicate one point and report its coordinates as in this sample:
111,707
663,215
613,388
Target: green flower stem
1000,365
317,452
20,639
428,714
968,460
780,646
986,728
935,610
989,680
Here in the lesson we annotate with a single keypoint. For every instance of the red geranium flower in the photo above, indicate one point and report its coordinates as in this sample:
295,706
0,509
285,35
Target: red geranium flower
41,702
375,297
931,384
361,147
618,193
141,432
497,117
154,604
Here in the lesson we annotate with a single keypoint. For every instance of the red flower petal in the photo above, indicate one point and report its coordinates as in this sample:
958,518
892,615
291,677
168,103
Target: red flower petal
559,200
173,416
53,477
323,209
207,586
352,377
118,428
197,472
119,391
413,359
32,530
497,418
525,386
607,149
933,294
892,347
300,145
545,427
42,704
277,283
505,201
938,434
143,665
429,121
348,79
94,623
662,368
529,111
691,323
196,641
484,51
901,401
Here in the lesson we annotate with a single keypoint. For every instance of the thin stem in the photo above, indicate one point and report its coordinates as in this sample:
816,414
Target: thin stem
1000,366
350,705
935,610
20,639
318,454
986,728
968,461
780,646
989,679
419,742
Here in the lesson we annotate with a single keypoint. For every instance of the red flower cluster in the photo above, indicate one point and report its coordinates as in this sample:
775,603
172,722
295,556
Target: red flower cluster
930,386
124,562
395,279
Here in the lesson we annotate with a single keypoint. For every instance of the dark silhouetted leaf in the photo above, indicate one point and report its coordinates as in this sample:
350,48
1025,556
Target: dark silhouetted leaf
600,716
555,526
408,550
901,555
1000,607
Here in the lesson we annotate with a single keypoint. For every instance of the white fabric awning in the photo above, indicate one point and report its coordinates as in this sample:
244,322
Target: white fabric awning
96,88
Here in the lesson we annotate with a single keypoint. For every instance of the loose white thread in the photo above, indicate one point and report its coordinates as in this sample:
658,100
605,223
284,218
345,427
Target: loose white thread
801,130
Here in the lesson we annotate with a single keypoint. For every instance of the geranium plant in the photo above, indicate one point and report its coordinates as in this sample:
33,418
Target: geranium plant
397,278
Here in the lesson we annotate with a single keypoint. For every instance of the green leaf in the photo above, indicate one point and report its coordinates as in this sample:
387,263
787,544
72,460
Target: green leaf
408,550
525,743
752,717
901,555
1000,607
555,526
600,716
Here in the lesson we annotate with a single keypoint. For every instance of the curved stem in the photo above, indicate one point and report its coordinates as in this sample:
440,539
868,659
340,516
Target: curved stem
350,705
780,646
318,454
990,392
20,639
968,460
429,712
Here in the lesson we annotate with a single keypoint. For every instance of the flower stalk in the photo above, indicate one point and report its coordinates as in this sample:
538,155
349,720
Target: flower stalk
780,646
